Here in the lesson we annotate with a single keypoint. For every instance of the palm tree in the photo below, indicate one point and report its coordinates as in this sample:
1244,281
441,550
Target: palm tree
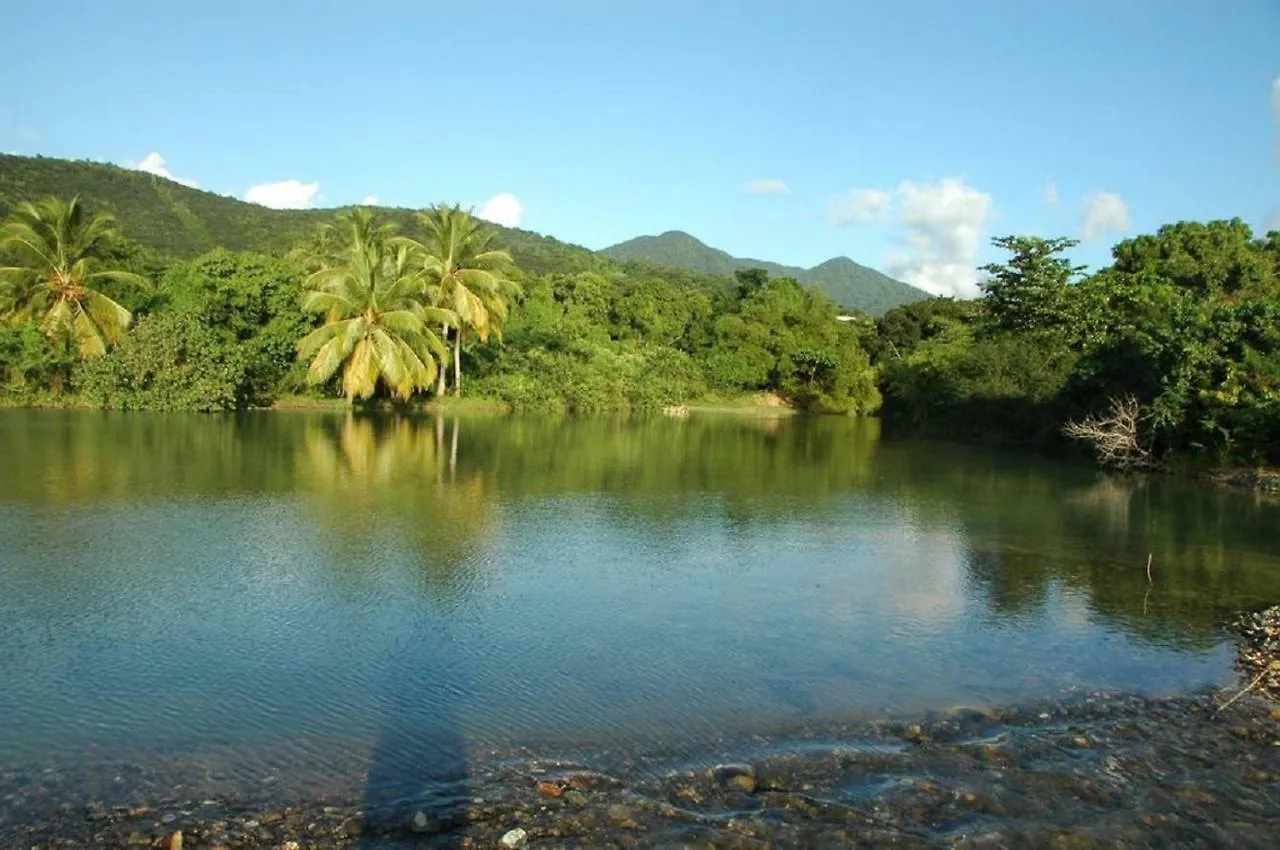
376,326
53,248
469,276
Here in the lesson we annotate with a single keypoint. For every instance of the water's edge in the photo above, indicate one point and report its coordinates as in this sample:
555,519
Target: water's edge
1097,767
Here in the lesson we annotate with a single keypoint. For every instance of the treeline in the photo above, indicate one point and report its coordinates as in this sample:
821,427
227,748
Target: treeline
1169,354
378,311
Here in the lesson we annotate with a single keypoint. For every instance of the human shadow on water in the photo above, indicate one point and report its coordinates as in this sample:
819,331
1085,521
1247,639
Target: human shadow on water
418,784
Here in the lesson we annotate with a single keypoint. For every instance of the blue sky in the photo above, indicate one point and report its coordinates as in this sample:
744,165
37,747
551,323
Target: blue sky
904,134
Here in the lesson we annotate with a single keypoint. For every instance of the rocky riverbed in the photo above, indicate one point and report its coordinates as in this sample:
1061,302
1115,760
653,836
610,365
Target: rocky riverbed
1090,770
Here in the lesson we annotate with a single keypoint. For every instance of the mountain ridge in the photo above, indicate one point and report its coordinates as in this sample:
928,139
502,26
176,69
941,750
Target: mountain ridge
847,282
182,222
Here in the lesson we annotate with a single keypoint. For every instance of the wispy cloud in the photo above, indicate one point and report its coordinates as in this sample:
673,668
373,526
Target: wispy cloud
369,201
1104,212
1275,112
1050,193
767,186
284,194
858,207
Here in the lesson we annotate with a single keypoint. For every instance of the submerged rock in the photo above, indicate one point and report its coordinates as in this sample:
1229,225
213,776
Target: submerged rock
421,823
736,777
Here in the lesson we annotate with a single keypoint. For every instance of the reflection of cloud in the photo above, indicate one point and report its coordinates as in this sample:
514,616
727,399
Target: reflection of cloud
934,588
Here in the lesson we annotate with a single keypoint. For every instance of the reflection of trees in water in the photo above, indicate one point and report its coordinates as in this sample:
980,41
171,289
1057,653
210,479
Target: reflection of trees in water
1033,526
395,481
62,458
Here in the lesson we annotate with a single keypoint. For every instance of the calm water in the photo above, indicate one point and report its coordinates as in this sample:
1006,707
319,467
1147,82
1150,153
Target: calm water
332,598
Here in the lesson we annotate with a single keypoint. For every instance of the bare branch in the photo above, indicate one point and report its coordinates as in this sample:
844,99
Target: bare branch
1115,435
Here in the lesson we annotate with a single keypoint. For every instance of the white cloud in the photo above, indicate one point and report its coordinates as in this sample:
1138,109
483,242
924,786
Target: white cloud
769,186
859,206
1275,112
1050,193
369,201
1103,212
944,224
284,194
1272,222
503,208
153,163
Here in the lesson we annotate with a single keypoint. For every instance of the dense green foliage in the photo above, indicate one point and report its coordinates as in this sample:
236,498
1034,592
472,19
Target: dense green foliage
358,296
852,286
1186,322
54,264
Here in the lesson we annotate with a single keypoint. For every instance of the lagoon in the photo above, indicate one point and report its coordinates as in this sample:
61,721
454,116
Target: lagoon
326,604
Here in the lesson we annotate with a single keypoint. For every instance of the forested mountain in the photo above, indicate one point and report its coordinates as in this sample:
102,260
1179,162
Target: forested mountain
181,222
190,300
845,282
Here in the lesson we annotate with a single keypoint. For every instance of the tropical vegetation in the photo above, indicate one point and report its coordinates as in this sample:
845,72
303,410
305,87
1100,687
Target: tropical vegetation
1169,354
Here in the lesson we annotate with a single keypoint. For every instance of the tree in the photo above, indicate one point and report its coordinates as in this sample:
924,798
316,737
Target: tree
56,249
467,275
376,325
1029,291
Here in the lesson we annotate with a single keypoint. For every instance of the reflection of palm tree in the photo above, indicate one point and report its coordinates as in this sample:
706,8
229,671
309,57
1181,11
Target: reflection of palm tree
391,474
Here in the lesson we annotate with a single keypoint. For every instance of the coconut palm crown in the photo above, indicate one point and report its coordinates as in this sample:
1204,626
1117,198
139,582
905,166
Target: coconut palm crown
376,325
51,254
468,274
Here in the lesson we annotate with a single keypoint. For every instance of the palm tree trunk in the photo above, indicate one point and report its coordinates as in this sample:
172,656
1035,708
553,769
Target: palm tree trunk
457,362
444,366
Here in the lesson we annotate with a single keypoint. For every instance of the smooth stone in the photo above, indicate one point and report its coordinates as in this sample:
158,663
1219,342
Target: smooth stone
620,815
421,823
737,777
515,839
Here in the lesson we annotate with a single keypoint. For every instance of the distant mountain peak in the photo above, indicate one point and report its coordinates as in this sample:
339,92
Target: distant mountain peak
847,282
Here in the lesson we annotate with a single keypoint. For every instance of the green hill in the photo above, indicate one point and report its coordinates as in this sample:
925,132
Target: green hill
181,222
847,283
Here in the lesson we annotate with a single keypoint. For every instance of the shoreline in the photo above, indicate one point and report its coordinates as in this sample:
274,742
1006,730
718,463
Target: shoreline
1099,767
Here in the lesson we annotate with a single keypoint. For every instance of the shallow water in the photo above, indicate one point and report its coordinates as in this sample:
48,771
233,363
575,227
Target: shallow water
381,602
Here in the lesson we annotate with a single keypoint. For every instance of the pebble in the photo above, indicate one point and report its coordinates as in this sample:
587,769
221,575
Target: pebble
620,815
514,839
421,823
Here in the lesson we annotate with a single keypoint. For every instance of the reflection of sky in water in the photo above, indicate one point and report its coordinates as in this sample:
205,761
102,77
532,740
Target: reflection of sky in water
364,609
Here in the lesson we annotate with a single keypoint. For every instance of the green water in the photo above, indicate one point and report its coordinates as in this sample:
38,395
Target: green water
333,597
